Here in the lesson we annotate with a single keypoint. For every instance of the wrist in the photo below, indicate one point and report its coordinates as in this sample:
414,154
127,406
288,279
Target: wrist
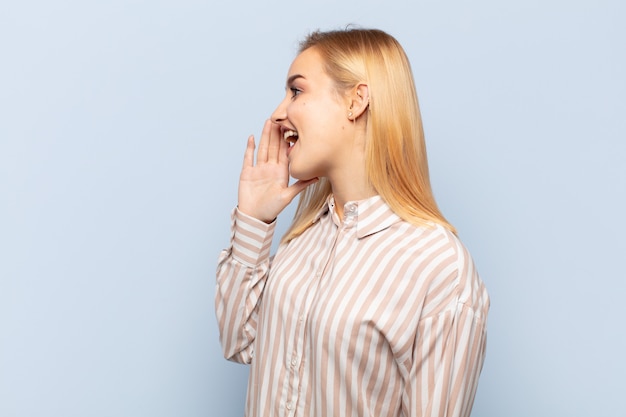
256,216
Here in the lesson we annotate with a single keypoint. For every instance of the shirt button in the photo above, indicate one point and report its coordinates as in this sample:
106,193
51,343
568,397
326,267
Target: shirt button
294,361
288,406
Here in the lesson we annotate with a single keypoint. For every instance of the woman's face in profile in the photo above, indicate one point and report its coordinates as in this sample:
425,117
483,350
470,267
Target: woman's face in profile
313,118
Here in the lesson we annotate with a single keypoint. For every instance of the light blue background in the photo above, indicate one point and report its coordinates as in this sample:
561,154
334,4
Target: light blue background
122,129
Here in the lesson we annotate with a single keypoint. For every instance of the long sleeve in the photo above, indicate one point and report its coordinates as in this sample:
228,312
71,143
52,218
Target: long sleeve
449,345
242,271
448,355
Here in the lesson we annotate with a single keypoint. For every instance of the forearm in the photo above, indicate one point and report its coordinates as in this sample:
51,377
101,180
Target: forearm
241,275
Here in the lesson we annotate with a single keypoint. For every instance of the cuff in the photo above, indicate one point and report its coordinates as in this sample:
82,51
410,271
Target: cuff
251,239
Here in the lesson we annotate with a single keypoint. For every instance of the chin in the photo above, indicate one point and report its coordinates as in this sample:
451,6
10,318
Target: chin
299,175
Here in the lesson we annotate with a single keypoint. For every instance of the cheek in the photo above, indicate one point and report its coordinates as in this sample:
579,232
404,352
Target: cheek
295,108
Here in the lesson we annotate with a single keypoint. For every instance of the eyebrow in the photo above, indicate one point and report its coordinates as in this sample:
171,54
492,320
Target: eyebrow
291,79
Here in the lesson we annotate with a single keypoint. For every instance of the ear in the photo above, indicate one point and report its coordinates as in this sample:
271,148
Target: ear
359,101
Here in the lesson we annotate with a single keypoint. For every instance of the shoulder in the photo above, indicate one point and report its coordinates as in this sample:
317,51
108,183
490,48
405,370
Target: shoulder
431,239
445,268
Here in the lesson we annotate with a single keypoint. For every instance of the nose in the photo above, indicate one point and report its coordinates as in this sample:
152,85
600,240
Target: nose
280,114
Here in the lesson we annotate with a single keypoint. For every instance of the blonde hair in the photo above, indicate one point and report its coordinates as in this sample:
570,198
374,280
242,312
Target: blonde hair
395,152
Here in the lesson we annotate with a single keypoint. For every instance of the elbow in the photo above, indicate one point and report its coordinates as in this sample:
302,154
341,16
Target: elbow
242,357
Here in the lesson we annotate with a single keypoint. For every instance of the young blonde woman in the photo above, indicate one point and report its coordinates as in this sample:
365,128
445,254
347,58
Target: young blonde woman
371,305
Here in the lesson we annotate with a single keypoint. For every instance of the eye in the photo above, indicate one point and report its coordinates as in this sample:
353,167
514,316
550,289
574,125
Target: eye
294,91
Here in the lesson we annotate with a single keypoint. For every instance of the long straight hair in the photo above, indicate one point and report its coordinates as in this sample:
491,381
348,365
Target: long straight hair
395,152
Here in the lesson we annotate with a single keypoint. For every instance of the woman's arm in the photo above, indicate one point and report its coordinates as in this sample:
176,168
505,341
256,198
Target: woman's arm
448,358
242,271
449,349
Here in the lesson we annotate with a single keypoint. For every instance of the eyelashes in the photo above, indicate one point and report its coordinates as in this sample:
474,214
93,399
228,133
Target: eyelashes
294,91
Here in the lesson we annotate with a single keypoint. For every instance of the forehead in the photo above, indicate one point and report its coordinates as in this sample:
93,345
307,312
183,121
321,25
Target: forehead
308,64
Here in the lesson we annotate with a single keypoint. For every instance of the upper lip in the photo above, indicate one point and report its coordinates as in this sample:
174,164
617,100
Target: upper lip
284,130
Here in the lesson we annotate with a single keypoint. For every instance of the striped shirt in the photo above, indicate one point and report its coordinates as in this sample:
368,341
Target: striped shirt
362,316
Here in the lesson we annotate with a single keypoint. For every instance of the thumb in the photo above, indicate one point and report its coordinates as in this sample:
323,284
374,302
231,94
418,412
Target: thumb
297,187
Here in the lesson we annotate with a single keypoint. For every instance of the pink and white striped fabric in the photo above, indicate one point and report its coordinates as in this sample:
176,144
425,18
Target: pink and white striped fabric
362,316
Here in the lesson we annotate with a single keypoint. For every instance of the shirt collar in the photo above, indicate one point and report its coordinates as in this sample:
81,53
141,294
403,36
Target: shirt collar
372,215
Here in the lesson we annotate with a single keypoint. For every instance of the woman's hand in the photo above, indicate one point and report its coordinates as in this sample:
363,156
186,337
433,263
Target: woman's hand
264,189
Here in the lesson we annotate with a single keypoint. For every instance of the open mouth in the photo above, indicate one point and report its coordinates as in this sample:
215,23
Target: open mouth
290,136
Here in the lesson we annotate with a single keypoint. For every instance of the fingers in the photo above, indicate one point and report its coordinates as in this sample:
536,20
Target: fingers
271,146
248,156
275,147
283,145
264,144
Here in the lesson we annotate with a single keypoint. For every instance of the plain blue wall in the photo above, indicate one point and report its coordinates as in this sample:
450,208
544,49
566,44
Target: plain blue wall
122,127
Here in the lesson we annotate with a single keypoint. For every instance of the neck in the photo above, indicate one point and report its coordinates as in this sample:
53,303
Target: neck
350,188
349,180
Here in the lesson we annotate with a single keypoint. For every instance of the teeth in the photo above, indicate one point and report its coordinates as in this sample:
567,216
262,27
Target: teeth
290,136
